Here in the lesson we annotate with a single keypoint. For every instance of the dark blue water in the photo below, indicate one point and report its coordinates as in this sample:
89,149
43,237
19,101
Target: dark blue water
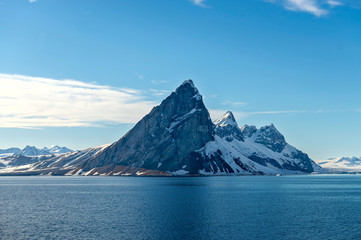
257,207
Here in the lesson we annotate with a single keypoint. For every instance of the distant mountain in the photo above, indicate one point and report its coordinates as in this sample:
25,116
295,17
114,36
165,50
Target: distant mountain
16,157
19,160
33,151
347,164
9,151
56,149
178,138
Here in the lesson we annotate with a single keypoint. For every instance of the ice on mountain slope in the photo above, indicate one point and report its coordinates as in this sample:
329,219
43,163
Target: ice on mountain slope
266,146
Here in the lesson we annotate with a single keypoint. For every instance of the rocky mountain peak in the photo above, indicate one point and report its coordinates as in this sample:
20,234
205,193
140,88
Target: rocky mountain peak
226,119
30,151
271,138
226,127
165,138
248,130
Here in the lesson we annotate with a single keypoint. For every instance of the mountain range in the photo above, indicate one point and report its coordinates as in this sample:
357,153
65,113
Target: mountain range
178,137
341,164
30,154
34,151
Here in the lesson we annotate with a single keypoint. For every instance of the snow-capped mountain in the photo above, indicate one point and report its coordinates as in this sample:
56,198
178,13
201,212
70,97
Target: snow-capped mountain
30,154
34,151
177,138
227,128
10,151
348,164
56,149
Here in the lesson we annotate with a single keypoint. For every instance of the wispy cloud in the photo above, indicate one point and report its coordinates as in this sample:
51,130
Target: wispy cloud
234,104
159,82
33,102
334,3
318,8
140,76
156,92
32,1
200,3
216,113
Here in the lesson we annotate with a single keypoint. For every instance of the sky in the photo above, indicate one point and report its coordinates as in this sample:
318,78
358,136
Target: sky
82,73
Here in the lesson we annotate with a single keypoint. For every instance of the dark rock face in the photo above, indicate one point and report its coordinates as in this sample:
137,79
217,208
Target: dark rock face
270,137
264,161
305,163
211,164
165,138
226,127
248,131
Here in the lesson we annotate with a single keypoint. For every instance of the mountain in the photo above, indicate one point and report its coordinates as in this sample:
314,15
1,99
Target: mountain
9,151
56,149
16,157
177,138
226,127
34,151
268,147
163,140
342,164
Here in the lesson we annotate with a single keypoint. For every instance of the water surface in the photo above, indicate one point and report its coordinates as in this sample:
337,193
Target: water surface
254,207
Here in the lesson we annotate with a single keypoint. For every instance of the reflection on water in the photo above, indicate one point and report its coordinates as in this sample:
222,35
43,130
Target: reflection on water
254,207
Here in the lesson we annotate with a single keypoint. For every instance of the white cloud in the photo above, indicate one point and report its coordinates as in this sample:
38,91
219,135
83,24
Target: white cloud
156,92
334,3
310,6
216,113
234,104
159,82
318,8
32,1
200,3
33,102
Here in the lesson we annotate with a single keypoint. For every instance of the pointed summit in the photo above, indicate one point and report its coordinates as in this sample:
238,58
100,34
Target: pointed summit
188,86
165,138
189,82
226,127
226,119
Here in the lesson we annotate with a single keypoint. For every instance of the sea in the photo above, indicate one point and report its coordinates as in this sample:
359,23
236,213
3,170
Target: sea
229,207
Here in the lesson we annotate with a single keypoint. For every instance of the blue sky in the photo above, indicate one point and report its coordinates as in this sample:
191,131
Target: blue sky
81,73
